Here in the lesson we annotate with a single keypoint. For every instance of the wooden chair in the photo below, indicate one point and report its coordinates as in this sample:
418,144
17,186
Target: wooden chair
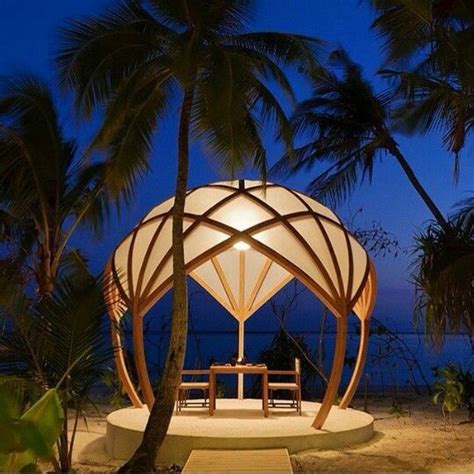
187,386
294,387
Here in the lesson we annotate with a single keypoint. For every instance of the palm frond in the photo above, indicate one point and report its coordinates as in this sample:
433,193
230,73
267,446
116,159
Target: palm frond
304,52
58,338
97,53
212,16
432,46
443,275
345,124
433,104
404,26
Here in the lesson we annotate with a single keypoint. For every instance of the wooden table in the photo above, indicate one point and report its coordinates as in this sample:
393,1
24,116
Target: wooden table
238,369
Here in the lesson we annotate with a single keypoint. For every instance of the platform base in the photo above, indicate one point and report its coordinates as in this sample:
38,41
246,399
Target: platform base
238,424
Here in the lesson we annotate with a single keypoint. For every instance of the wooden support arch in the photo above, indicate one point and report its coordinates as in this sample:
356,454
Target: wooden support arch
359,365
363,308
122,370
115,310
336,373
140,359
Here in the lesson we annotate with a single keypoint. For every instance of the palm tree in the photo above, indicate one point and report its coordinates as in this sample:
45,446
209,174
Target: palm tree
55,340
430,50
349,126
137,59
46,189
444,275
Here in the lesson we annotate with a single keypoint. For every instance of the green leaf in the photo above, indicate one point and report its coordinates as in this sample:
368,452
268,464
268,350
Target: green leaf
47,414
32,436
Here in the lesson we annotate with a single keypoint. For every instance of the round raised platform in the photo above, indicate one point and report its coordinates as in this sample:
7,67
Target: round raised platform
238,424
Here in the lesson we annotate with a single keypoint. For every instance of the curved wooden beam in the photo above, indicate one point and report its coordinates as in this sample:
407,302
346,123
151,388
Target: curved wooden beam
363,309
122,370
359,366
336,373
140,359
115,310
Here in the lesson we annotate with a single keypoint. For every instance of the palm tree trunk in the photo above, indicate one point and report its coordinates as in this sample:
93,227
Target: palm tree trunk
143,460
395,152
44,274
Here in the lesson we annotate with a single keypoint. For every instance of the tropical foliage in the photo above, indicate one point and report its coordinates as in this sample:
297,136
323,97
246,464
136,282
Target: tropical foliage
429,49
140,58
444,275
28,437
56,340
46,189
455,389
349,126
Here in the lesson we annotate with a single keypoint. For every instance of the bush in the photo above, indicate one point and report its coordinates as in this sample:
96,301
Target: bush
454,389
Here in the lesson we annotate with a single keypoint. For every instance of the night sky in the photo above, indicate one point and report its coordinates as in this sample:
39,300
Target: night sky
28,29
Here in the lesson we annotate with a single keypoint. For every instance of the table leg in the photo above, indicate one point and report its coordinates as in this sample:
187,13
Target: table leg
265,393
212,392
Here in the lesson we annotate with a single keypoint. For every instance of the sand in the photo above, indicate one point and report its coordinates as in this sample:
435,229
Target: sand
416,440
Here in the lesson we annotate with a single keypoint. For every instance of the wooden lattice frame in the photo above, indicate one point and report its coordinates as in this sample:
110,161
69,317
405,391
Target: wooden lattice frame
345,291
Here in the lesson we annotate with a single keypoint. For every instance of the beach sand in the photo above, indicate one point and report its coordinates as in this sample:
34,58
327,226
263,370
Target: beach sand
417,439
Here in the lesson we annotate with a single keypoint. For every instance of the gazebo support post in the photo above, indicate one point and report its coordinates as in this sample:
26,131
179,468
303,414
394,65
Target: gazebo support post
114,309
240,380
240,377
121,366
359,366
140,360
336,373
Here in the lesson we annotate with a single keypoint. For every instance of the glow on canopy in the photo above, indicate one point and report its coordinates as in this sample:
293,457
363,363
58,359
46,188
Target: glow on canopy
241,246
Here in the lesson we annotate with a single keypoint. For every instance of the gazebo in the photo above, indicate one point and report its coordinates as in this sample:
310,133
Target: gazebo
244,241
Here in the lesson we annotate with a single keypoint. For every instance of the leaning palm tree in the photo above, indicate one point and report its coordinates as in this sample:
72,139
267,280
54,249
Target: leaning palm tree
46,189
429,49
140,57
348,125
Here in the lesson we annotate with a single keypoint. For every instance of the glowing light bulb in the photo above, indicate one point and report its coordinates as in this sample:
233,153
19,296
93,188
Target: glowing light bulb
241,246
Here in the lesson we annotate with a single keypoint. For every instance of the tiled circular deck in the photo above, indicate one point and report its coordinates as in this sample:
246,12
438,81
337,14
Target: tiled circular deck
238,424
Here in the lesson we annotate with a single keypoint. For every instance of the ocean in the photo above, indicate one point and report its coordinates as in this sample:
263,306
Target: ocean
400,356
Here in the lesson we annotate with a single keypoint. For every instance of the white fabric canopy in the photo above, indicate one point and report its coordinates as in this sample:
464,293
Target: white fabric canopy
289,235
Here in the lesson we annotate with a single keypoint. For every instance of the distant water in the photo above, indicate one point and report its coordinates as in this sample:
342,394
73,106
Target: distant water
401,360
392,360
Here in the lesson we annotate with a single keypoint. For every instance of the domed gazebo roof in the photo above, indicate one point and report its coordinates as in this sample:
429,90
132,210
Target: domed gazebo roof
243,242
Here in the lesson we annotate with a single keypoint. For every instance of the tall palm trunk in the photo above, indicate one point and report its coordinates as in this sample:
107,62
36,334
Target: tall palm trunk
143,460
44,275
396,153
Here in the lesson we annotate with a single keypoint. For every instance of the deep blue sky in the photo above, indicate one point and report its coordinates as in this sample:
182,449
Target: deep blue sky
27,41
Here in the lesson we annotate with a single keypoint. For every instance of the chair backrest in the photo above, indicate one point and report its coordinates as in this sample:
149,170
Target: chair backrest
297,365
194,373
